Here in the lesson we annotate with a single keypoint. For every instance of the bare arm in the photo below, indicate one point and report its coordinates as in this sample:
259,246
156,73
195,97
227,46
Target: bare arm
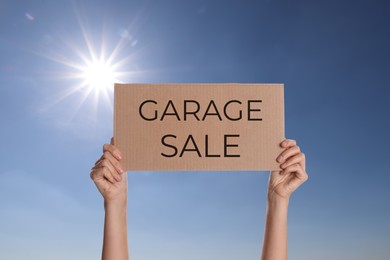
115,233
280,187
111,181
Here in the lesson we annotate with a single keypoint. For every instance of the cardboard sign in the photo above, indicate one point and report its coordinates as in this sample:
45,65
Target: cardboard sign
199,126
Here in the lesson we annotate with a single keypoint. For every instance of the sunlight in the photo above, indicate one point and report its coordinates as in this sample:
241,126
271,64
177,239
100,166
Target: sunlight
90,70
99,75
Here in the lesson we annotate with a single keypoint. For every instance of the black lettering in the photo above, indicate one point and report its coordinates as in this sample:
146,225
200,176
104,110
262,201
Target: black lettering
226,145
185,149
250,110
208,113
226,114
207,148
191,112
170,103
168,145
142,115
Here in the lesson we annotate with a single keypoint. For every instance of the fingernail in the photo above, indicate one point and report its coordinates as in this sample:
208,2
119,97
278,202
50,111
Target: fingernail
280,159
119,156
120,169
119,178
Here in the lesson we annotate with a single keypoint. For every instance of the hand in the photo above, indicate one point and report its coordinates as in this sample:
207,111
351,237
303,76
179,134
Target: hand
293,172
109,177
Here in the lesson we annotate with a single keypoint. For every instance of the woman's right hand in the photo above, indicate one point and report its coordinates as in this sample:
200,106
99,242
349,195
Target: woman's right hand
109,177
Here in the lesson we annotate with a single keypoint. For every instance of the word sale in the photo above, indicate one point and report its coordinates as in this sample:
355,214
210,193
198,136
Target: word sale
190,142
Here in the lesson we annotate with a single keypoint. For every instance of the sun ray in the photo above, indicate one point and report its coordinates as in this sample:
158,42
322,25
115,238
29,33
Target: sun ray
87,66
78,104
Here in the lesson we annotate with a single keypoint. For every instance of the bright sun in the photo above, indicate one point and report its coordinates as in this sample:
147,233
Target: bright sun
93,70
98,75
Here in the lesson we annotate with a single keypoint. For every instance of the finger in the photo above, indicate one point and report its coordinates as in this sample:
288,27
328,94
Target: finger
112,141
288,143
94,175
296,179
298,170
286,154
113,171
108,171
113,150
99,174
113,161
106,163
298,158
99,161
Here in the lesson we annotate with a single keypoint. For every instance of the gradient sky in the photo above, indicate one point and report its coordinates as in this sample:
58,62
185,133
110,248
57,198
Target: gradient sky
332,56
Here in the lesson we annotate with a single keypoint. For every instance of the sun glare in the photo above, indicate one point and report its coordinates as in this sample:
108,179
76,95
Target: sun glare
92,72
99,75
90,65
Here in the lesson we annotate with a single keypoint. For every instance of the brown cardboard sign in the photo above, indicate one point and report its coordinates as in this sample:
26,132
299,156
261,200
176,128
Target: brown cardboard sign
199,126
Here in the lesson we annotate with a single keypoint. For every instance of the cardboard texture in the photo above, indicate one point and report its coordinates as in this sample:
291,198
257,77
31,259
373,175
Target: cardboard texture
169,127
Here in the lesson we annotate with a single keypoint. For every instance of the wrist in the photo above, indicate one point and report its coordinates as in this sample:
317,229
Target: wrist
277,201
115,205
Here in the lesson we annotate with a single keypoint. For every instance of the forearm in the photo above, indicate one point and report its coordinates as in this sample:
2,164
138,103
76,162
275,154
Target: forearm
275,234
115,232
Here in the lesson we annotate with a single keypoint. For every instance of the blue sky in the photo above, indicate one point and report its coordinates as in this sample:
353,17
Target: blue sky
332,56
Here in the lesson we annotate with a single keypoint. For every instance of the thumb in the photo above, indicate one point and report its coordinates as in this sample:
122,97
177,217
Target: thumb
112,141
